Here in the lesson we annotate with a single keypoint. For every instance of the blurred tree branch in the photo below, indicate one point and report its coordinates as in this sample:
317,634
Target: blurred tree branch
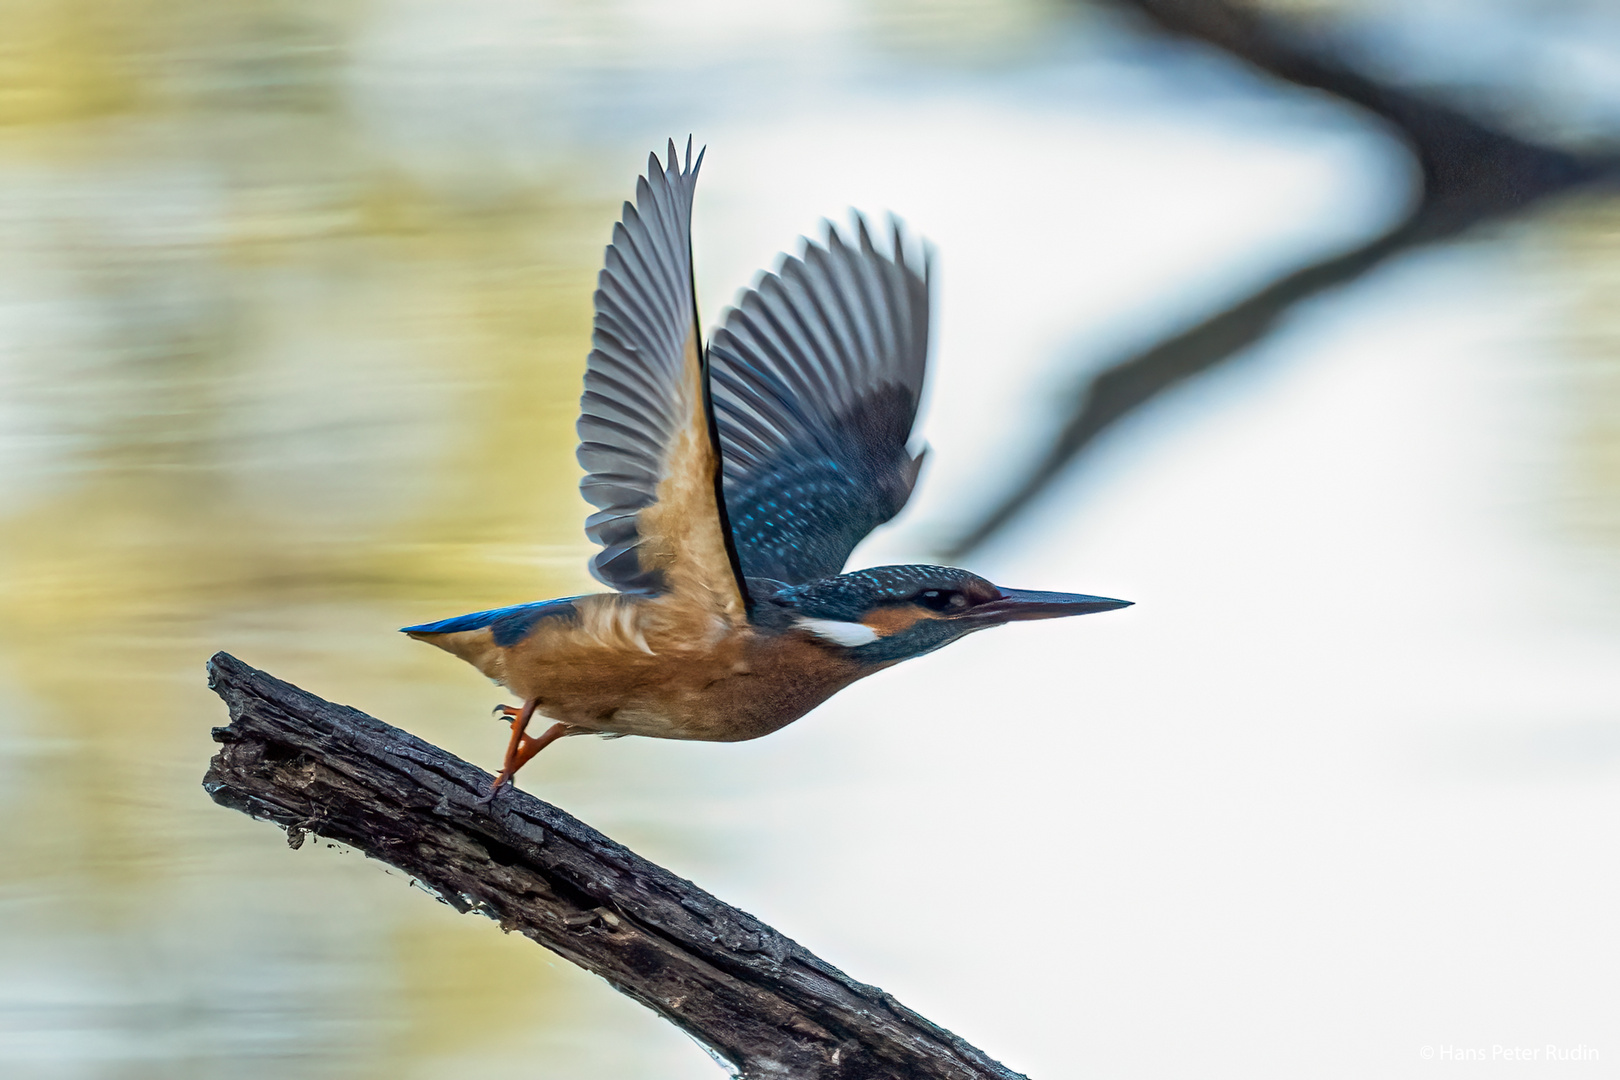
1471,173
759,1001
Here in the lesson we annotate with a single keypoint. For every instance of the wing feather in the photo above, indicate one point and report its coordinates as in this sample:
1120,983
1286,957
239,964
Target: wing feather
647,442
816,377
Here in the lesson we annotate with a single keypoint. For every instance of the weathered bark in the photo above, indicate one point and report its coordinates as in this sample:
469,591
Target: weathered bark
760,1002
1470,174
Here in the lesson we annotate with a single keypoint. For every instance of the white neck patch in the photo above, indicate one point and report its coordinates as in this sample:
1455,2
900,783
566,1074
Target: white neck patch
848,634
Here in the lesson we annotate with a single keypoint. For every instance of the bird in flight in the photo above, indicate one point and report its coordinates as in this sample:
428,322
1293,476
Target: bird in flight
731,484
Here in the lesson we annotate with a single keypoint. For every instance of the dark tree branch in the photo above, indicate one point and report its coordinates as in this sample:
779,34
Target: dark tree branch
1470,174
756,999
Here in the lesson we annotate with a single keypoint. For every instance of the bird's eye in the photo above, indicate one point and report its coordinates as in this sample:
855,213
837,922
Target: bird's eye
942,600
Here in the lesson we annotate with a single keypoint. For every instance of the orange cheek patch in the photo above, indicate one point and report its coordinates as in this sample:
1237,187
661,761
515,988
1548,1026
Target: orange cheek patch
888,621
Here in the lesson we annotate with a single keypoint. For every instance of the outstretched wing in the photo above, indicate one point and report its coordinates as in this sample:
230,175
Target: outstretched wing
646,438
816,376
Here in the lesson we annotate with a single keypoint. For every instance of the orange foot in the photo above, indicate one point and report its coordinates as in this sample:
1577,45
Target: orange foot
521,747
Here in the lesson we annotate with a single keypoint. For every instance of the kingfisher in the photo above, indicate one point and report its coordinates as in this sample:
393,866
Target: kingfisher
731,482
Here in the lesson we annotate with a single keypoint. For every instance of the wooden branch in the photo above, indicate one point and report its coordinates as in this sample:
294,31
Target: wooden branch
760,1002
1471,174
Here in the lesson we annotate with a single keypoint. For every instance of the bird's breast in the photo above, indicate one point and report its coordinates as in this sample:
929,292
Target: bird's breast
779,678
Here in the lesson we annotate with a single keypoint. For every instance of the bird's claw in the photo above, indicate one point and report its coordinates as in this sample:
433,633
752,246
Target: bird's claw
505,712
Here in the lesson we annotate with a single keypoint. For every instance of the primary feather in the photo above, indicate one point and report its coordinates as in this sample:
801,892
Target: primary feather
816,377
647,442
775,453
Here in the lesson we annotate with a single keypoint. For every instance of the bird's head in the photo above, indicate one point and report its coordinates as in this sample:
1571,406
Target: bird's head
892,613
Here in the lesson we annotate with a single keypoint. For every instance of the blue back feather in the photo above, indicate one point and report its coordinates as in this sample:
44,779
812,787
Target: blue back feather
510,624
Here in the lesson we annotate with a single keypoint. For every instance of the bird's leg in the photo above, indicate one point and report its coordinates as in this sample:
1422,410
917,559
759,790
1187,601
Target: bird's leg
509,764
521,748
531,747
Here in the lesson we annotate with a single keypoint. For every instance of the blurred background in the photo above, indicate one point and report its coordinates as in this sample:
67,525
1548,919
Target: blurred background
294,305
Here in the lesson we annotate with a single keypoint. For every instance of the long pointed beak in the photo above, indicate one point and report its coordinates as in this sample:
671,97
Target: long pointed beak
1017,605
